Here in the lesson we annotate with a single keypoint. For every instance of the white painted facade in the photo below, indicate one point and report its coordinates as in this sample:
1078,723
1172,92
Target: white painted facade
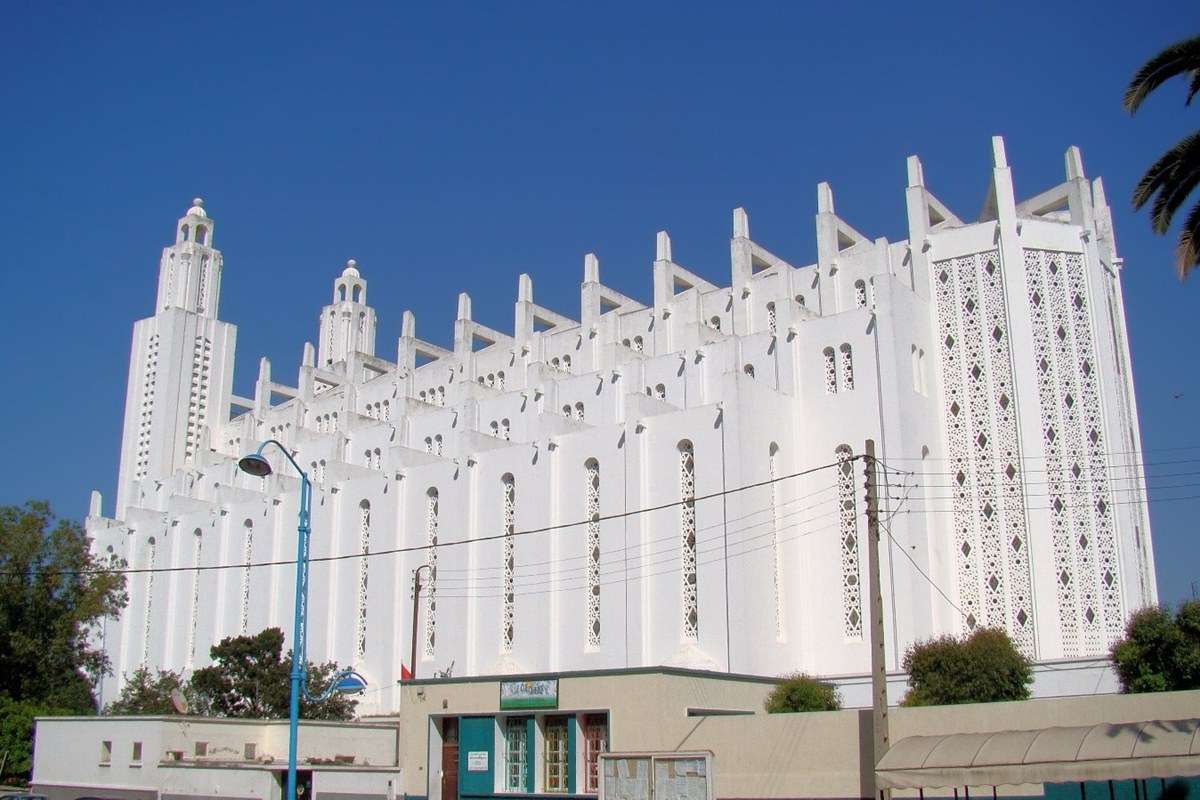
584,480
163,758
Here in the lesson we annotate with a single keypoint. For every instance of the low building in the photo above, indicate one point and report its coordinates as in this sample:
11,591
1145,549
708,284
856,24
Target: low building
541,736
172,758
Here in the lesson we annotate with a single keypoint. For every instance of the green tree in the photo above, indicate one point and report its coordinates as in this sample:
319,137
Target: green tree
1176,173
249,677
800,692
1160,653
52,600
147,692
16,737
982,668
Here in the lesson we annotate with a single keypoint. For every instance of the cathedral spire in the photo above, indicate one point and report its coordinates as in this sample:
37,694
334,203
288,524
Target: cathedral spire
347,323
190,270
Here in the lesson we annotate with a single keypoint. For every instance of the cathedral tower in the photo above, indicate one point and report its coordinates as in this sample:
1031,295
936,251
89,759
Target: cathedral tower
180,364
347,323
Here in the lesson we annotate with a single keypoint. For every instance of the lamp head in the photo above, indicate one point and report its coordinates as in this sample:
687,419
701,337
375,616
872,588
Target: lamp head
254,464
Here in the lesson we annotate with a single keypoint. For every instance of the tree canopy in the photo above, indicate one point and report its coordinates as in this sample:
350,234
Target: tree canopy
982,668
51,602
1174,176
800,692
250,677
1160,652
150,693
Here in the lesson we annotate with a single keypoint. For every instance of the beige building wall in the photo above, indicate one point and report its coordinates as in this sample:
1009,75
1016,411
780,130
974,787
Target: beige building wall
757,755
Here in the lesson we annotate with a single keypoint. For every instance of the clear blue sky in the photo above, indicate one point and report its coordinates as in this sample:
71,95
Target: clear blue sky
453,149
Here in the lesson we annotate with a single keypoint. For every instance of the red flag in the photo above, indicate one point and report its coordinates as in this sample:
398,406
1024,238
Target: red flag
405,674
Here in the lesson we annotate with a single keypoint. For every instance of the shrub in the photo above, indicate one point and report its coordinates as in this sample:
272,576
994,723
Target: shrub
1160,653
984,667
799,692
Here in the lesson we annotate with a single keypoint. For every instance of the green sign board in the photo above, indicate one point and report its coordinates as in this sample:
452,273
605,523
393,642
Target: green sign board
529,694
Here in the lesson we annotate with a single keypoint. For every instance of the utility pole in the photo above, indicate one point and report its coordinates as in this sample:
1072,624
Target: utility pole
879,701
412,659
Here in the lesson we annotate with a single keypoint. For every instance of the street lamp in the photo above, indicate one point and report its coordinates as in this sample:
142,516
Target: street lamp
345,681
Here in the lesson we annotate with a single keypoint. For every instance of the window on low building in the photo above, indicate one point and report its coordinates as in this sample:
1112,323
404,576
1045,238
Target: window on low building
200,749
595,742
250,751
106,752
516,754
556,755
136,755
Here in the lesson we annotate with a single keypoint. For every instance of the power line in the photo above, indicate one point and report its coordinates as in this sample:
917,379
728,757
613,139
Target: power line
424,547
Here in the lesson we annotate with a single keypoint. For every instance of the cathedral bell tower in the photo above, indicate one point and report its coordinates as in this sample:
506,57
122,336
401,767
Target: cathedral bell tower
180,364
348,323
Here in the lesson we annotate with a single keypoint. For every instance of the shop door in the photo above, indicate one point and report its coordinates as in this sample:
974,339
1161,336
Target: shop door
450,758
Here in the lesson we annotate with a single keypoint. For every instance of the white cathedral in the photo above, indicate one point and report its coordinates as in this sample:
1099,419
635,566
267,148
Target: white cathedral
666,482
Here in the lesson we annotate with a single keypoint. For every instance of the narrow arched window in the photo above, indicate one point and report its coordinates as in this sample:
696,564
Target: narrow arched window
321,471
830,371
847,368
431,559
860,294
500,380
715,323
495,429
151,551
567,410
773,476
441,395
800,301
341,292
364,540
638,344
437,444
357,295
660,391
579,411
591,488
183,233
428,444
749,370
852,625
378,459
247,556
491,380
566,363
197,548
505,429
687,541
509,512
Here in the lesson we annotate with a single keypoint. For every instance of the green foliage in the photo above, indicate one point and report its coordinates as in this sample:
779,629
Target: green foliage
146,692
51,601
16,737
799,692
249,677
1160,653
1174,176
982,668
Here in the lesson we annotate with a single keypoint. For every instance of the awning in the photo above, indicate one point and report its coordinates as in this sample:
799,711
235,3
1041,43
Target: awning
1154,749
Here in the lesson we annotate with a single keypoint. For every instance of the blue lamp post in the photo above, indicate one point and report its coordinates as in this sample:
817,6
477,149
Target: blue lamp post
345,681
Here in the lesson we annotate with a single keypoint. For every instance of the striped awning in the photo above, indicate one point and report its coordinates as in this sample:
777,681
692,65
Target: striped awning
1152,749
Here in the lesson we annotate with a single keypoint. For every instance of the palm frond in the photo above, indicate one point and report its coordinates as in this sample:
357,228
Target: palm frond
1176,167
1178,59
1184,177
1194,89
1187,253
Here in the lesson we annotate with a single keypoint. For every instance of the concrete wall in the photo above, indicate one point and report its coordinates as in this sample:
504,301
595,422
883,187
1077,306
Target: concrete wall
759,755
